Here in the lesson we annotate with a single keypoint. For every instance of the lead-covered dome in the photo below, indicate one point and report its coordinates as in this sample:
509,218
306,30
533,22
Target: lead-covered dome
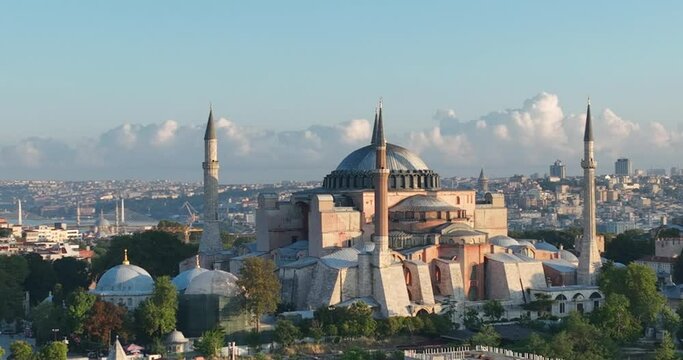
503,241
182,281
125,279
214,282
406,170
398,158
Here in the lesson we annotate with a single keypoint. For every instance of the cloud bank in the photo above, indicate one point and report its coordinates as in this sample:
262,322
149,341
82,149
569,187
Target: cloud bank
520,140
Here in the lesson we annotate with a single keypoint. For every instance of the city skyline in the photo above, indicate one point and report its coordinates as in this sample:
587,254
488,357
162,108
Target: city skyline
127,97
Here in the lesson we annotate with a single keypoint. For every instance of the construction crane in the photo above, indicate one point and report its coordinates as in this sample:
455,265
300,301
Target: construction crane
192,217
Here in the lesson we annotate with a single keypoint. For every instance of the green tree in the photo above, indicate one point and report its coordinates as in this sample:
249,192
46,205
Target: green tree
639,284
48,322
157,315
78,308
536,345
41,278
487,336
55,350
666,349
561,346
5,232
471,319
72,274
615,319
21,350
628,246
210,343
260,287
2,352
286,332
315,330
494,310
588,341
13,272
158,250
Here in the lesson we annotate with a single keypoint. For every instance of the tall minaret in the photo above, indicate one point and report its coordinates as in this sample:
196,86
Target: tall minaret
381,238
20,219
78,213
211,241
123,212
589,258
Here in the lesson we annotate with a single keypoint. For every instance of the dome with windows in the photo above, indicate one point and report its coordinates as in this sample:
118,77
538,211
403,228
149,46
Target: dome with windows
125,279
406,170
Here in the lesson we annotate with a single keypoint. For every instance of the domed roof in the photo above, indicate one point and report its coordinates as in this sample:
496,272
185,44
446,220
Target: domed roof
502,240
398,158
542,245
423,203
567,255
125,279
176,337
526,243
183,279
213,282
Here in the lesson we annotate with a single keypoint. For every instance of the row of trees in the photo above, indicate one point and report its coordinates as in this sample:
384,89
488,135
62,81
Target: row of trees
91,323
632,303
357,321
21,350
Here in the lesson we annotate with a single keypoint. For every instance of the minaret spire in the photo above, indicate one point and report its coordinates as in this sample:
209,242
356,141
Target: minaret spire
373,140
588,134
589,257
381,237
210,244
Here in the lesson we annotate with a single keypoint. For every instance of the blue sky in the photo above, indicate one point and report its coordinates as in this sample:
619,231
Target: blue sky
72,70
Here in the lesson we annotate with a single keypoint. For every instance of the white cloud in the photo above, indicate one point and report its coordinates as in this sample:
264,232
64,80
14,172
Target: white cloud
522,139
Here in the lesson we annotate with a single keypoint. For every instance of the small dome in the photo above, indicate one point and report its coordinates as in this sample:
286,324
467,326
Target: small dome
542,245
398,158
526,243
213,282
184,278
176,337
125,279
502,240
567,255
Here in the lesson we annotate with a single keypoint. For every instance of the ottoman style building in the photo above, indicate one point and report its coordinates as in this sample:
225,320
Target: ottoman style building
381,230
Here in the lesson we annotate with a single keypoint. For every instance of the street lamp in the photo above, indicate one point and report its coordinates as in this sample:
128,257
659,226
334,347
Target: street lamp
54,334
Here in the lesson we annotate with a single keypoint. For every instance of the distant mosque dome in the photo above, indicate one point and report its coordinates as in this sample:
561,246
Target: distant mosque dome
503,241
182,280
214,282
176,337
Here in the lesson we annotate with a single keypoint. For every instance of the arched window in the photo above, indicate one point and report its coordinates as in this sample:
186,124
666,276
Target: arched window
457,200
561,299
596,300
409,278
473,272
472,293
437,274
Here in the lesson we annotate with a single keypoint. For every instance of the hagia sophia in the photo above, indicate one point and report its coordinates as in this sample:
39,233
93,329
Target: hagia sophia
383,231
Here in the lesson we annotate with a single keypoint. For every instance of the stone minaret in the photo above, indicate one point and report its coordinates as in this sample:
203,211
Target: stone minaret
589,258
483,182
20,220
387,277
381,237
210,243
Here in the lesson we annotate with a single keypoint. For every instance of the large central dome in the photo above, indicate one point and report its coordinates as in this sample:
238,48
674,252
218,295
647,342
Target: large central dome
398,158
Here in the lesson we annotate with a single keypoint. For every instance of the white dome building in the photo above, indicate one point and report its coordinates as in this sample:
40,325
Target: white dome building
125,284
182,280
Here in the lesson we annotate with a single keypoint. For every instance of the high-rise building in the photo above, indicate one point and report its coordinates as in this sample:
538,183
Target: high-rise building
558,169
589,258
622,167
